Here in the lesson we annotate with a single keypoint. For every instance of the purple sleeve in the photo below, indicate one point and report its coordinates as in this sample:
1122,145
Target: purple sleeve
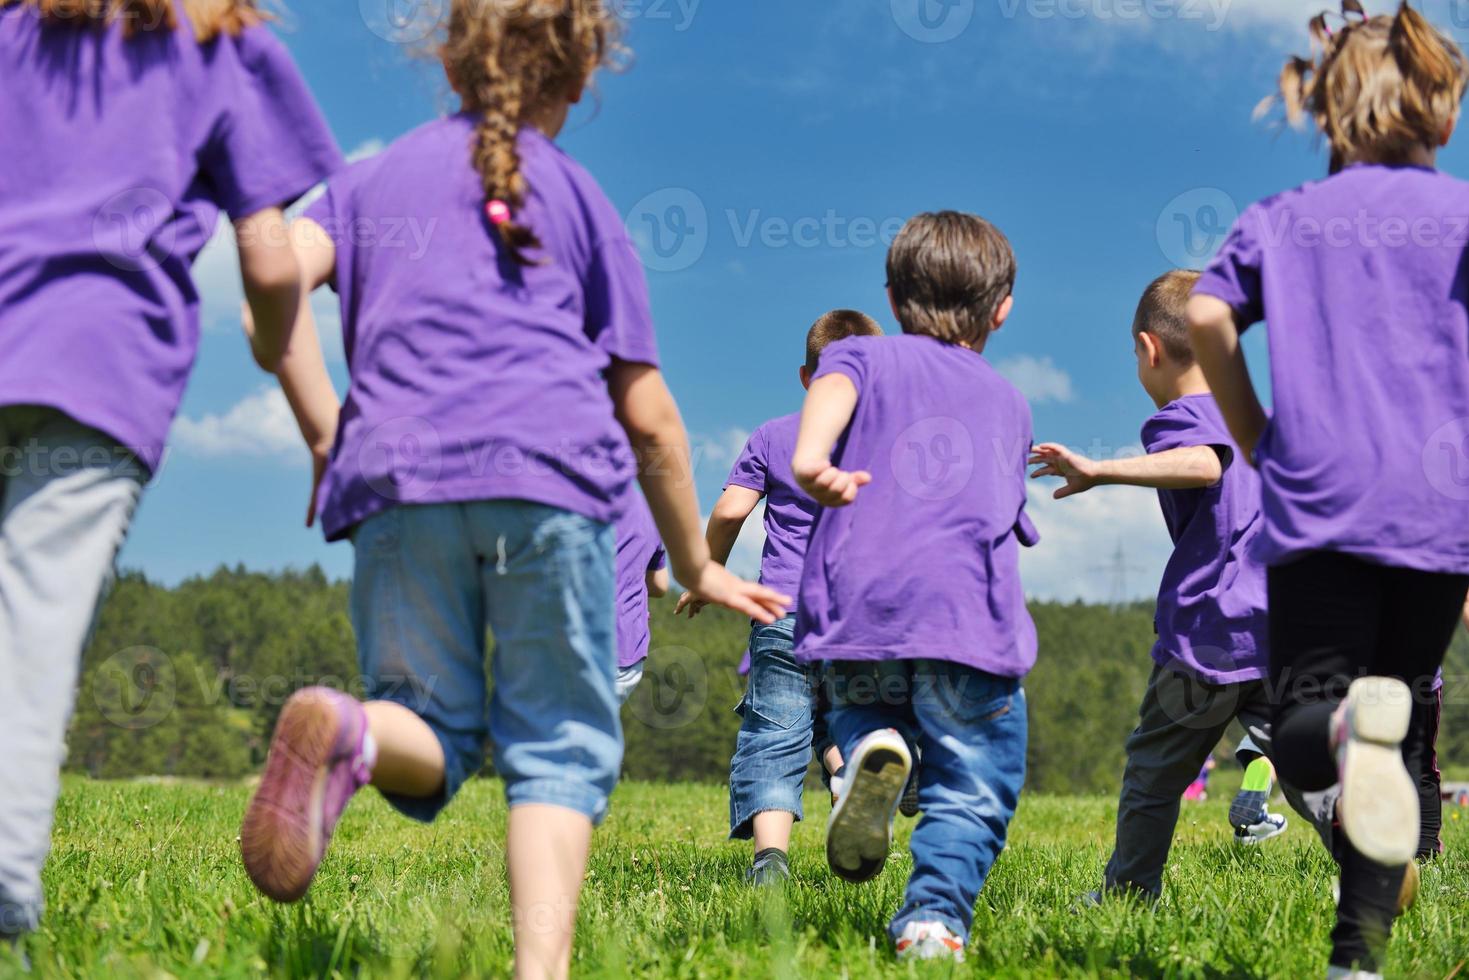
659,561
1176,428
270,143
751,469
619,317
1234,275
848,358
1025,530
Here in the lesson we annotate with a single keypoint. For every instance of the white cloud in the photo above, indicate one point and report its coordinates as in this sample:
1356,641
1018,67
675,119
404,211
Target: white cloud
1095,545
1038,378
718,449
258,426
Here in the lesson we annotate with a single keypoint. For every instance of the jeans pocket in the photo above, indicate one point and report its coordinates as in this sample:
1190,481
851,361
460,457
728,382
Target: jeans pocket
972,697
779,691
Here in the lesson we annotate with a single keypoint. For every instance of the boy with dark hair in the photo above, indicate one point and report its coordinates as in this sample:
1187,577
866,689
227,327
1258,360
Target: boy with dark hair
1211,656
781,724
911,589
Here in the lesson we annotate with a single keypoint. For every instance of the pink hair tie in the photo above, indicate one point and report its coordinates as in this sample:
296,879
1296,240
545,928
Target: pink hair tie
498,212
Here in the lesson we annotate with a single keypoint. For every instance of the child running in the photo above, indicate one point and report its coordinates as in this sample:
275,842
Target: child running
642,573
126,127
911,591
781,720
1210,659
1366,535
478,464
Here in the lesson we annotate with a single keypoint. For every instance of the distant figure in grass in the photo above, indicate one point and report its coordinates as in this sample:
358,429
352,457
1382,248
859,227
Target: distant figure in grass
782,722
1198,790
478,465
910,593
642,574
125,129
1211,656
1365,525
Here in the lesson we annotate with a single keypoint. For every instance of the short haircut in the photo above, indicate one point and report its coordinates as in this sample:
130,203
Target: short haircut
1162,312
948,274
834,326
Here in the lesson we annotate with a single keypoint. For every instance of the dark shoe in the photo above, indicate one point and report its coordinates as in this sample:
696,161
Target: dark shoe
908,806
771,867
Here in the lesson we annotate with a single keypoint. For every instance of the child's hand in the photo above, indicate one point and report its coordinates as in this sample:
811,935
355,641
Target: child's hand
829,486
687,601
1079,472
717,585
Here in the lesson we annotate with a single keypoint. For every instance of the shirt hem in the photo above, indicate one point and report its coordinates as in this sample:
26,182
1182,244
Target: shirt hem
995,667
1409,558
340,529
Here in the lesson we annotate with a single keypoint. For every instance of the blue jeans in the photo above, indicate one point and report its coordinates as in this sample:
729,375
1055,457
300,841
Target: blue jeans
782,724
970,728
431,578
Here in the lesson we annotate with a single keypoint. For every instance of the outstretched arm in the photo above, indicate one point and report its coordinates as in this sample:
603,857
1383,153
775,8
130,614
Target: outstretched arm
1216,345
830,404
1185,468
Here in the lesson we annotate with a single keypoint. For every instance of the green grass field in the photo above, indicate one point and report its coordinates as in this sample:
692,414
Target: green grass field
145,880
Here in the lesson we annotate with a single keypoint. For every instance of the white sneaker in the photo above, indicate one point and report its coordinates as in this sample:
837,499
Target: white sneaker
1261,829
860,830
929,941
1379,802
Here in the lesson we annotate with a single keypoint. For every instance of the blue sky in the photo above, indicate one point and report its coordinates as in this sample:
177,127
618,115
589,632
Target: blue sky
764,151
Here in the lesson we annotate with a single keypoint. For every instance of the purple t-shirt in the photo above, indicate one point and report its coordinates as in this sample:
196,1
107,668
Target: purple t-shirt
638,552
118,155
1363,280
1211,616
474,378
926,562
765,467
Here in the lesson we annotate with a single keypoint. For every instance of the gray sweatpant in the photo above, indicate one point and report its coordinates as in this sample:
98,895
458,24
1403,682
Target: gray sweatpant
1180,722
67,496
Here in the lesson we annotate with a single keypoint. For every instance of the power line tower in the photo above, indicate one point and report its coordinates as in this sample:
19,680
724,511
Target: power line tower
1117,571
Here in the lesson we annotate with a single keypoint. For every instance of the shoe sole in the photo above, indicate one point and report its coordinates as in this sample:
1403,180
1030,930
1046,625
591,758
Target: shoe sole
1379,803
859,834
281,837
1246,807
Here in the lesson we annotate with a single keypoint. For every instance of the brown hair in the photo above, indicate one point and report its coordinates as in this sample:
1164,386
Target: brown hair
510,59
1162,313
834,326
948,274
1383,88
209,18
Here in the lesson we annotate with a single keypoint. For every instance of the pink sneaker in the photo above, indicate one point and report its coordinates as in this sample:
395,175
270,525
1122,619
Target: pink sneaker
320,756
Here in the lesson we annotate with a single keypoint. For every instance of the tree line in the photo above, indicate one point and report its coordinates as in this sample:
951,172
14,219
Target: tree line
188,682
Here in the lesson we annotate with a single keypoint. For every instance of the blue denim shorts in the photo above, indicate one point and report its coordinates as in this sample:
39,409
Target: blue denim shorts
430,579
782,725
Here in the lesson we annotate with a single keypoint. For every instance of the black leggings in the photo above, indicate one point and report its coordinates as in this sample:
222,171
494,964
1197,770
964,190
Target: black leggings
1334,618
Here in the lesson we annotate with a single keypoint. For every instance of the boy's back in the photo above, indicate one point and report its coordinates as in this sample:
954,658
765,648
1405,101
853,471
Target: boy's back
925,564
765,467
1211,602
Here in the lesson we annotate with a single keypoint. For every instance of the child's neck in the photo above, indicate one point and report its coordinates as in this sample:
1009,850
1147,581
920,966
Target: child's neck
1188,381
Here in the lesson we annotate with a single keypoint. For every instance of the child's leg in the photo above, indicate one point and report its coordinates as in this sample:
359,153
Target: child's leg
1179,723
972,731
554,717
67,496
420,623
1420,751
773,748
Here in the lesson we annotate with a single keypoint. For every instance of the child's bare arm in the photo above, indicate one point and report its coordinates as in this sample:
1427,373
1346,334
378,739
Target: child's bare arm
731,511
302,369
1185,468
272,281
1216,345
650,417
657,582
830,403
